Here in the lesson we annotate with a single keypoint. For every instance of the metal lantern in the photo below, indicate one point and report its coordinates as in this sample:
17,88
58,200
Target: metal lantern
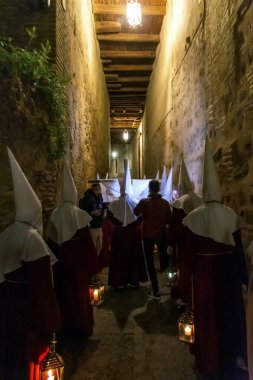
52,366
171,276
97,291
186,327
133,13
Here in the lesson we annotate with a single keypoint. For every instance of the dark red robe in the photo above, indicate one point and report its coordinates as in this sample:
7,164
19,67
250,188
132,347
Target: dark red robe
29,315
176,234
217,272
78,261
107,228
127,265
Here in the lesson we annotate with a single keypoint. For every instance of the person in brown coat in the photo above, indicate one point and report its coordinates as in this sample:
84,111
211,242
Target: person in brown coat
156,217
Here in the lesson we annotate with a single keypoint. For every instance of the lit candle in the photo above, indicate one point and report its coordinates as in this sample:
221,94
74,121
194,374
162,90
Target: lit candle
95,295
50,377
188,331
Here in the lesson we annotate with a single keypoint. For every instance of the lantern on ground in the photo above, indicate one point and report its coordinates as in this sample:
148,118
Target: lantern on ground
171,276
133,13
186,327
97,291
52,366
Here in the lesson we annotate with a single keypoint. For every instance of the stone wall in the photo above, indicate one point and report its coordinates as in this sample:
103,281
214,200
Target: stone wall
71,34
78,56
202,83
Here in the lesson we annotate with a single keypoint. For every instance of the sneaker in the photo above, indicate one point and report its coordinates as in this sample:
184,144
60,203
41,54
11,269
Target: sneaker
156,295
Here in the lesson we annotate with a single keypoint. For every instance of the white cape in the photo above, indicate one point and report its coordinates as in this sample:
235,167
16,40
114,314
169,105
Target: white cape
65,221
213,220
122,210
19,243
188,202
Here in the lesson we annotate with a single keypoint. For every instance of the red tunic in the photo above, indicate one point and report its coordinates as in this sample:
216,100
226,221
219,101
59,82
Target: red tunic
29,315
78,261
176,234
104,257
127,265
217,272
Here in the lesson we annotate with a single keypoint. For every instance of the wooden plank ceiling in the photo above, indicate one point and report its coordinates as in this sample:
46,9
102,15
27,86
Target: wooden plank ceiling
127,56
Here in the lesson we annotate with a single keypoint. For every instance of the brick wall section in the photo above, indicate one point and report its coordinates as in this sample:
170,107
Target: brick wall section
78,56
209,84
72,36
19,15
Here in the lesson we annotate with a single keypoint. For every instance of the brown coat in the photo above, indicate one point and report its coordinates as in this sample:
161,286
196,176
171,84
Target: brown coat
156,216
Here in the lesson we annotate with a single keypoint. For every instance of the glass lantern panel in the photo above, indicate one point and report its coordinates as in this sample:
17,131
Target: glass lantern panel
186,332
53,374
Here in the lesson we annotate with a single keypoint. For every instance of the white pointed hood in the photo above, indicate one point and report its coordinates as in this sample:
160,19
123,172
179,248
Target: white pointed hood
212,219
157,175
98,177
69,192
28,206
168,189
188,199
163,180
21,242
67,219
211,187
184,183
123,209
126,186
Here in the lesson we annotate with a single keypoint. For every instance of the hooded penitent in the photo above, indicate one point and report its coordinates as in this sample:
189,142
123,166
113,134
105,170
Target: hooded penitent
157,175
163,180
67,219
168,188
188,199
212,219
122,208
22,241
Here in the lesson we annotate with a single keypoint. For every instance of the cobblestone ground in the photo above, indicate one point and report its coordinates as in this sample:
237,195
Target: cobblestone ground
134,338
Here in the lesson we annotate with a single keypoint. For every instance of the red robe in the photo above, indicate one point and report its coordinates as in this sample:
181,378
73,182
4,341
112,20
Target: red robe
216,271
106,245
29,315
176,234
127,265
78,261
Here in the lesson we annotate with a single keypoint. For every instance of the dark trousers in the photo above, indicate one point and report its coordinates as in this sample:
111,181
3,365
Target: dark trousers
149,245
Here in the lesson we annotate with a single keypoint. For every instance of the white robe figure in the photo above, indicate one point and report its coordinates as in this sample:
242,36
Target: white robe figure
70,239
213,263
29,311
127,262
188,199
168,188
163,180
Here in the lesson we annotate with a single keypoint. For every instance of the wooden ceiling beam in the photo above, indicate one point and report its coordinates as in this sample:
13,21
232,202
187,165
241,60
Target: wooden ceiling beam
111,77
120,9
133,79
128,54
129,37
140,98
114,85
112,68
129,89
108,26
